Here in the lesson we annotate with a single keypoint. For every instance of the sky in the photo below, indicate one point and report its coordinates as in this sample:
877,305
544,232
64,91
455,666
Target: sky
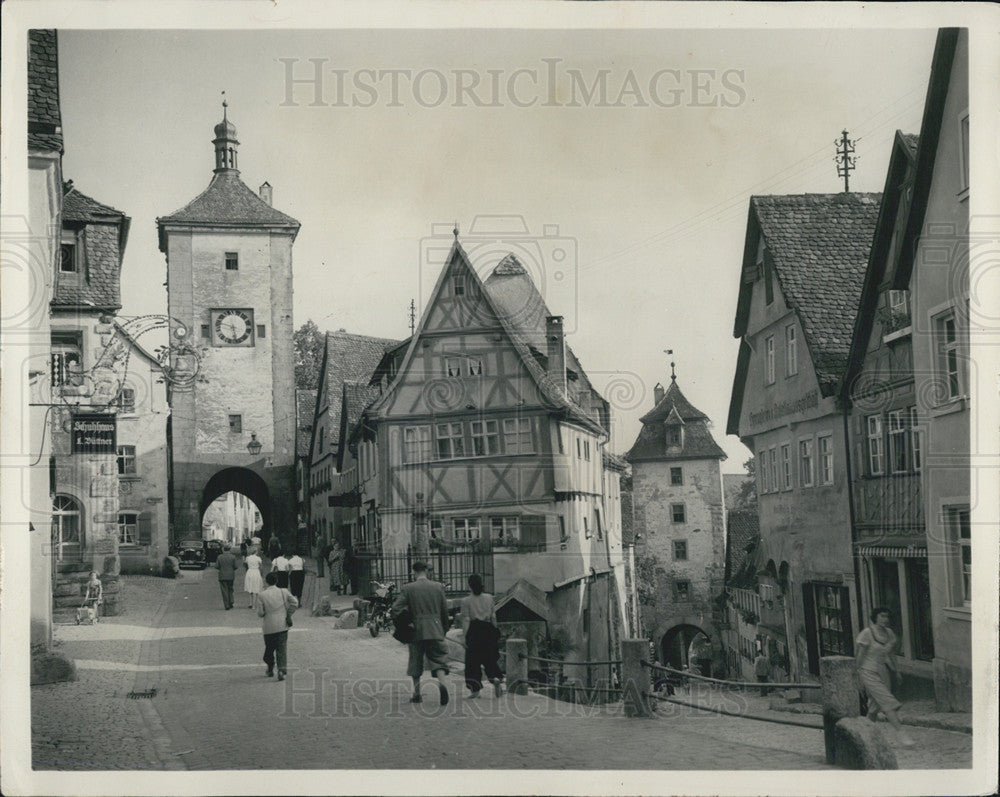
628,206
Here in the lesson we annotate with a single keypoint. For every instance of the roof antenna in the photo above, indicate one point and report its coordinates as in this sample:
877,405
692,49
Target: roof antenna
673,376
845,158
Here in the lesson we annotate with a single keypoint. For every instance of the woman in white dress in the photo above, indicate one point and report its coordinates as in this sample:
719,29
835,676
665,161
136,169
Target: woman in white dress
253,582
876,645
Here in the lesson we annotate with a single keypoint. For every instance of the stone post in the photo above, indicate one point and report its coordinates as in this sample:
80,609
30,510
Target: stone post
635,678
840,694
517,666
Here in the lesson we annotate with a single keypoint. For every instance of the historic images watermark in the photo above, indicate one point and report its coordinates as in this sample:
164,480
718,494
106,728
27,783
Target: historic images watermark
313,694
549,83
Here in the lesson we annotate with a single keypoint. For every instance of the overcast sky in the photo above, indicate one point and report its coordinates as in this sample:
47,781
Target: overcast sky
644,190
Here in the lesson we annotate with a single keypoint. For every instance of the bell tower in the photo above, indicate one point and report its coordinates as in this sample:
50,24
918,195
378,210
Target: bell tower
229,292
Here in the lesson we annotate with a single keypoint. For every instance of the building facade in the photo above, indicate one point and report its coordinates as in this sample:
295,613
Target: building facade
229,291
679,523
937,253
87,372
804,263
40,241
887,440
487,440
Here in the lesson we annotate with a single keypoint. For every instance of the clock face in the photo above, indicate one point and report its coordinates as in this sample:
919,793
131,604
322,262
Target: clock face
234,327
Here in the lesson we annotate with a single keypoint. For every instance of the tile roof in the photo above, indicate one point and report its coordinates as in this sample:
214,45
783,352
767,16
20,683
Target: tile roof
44,115
228,200
348,358
673,398
103,237
305,415
651,443
742,537
523,310
77,206
819,245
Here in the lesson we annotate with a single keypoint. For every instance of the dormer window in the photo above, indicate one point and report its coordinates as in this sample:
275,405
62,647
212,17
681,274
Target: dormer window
675,436
67,258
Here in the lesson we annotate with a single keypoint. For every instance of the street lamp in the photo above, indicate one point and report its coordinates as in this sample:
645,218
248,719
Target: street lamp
254,445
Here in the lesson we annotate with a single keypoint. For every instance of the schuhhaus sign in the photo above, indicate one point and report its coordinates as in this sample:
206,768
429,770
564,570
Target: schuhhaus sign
780,409
94,433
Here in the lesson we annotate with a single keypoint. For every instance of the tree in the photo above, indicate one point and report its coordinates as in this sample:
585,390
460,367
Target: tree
746,498
309,343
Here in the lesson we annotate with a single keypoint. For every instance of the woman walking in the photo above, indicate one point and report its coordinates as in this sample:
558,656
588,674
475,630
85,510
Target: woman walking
276,607
279,565
253,582
875,645
296,575
479,622
336,562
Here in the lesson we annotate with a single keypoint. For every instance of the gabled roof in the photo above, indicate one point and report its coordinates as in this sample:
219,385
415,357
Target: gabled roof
515,294
228,201
818,246
901,172
528,595
930,132
357,397
550,391
44,114
742,538
347,358
673,399
305,416
97,283
651,443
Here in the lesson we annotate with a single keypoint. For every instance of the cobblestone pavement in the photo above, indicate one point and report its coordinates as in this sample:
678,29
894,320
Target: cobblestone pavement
346,705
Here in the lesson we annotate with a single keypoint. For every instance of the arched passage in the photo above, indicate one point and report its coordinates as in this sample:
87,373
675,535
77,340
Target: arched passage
240,480
675,643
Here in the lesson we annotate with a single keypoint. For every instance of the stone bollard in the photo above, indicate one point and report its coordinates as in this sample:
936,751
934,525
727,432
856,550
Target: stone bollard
635,678
840,693
517,666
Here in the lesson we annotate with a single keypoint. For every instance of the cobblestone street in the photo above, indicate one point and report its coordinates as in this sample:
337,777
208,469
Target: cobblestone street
215,709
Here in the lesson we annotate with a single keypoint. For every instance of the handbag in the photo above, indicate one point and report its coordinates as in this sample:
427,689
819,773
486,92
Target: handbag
405,631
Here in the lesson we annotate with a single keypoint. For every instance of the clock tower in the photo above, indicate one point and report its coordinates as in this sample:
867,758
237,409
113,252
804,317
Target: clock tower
232,375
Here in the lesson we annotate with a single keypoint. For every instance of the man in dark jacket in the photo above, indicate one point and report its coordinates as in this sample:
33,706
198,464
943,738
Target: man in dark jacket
425,600
227,575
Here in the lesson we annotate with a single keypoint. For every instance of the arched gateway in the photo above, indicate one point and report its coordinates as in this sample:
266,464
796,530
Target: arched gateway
229,289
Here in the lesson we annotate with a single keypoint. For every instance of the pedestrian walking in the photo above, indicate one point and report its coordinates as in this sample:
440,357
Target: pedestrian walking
482,639
425,601
296,575
243,549
253,582
279,565
336,562
876,645
227,575
762,670
276,607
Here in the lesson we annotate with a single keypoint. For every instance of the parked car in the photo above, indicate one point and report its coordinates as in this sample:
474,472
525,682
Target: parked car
191,553
212,550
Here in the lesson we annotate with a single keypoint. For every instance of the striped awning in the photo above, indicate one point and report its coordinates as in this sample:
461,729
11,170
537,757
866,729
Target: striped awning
892,551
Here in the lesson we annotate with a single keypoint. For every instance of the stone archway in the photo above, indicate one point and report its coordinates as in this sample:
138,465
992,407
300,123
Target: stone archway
245,481
674,637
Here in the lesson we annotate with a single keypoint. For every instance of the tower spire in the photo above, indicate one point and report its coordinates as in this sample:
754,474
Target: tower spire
225,142
673,375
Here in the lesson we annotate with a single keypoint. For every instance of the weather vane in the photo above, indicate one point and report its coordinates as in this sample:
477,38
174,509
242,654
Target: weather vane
673,376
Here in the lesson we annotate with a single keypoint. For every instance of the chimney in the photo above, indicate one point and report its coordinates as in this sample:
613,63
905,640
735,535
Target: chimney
658,394
556,350
266,192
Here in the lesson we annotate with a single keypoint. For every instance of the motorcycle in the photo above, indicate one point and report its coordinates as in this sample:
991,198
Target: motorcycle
379,616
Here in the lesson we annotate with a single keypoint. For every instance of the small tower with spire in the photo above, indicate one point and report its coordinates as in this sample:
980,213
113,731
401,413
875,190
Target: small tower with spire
226,144
679,522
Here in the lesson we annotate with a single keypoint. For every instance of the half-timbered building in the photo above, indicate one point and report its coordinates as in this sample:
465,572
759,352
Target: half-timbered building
486,442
